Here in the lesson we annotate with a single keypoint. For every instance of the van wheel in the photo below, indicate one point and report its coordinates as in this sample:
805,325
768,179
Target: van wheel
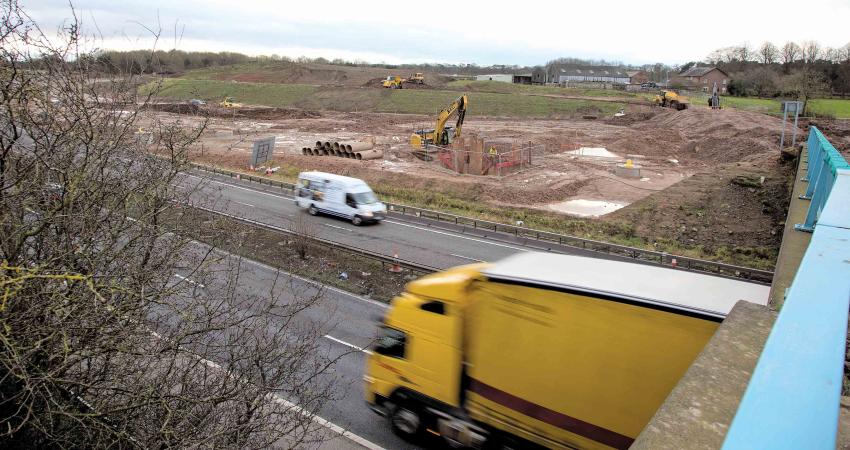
405,423
356,220
312,210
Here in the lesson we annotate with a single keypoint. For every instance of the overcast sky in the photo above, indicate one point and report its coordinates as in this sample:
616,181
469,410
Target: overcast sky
524,33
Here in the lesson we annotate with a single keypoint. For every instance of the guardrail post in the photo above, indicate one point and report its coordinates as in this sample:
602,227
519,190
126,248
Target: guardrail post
812,144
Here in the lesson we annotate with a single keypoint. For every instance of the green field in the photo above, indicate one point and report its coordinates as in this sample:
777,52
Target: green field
270,94
840,109
407,101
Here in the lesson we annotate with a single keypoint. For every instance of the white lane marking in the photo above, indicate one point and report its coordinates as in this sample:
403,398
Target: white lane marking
314,417
340,341
466,257
246,204
189,280
239,187
331,426
456,235
337,227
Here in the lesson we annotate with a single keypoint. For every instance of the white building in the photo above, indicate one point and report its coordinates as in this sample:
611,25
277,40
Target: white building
503,77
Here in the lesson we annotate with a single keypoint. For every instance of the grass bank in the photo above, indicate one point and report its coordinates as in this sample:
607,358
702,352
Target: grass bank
352,99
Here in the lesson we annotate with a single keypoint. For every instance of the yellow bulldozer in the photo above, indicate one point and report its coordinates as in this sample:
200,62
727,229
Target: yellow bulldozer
671,99
393,82
228,102
416,78
441,134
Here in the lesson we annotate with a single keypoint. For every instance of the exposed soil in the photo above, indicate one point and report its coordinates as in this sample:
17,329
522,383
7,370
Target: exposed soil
324,74
838,132
741,206
688,161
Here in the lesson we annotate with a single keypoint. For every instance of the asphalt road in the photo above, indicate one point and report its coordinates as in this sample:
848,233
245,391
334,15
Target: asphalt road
348,323
435,247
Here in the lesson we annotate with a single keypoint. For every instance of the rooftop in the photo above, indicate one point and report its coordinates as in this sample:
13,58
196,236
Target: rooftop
699,71
639,283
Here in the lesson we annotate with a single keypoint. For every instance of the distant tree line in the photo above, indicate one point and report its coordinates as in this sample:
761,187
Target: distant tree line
803,70
137,62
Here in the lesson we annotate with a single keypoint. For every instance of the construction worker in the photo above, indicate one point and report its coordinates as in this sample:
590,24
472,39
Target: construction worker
493,153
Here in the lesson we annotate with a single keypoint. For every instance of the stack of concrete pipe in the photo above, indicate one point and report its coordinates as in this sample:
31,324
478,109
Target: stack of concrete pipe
352,150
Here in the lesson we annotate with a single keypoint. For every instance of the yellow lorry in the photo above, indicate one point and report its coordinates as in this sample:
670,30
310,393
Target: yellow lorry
542,350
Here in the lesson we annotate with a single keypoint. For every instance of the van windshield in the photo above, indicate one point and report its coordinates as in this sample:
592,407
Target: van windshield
364,198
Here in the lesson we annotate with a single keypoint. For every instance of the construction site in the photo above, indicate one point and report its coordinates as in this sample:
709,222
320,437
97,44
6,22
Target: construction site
713,176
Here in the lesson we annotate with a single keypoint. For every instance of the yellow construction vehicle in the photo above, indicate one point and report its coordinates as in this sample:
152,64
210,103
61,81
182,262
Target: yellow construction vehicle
542,350
441,134
229,103
416,78
393,82
671,99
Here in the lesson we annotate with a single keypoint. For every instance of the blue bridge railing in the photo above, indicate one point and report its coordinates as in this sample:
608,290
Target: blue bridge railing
823,167
792,400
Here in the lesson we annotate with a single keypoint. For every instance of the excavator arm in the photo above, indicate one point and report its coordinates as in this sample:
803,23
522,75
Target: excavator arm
440,134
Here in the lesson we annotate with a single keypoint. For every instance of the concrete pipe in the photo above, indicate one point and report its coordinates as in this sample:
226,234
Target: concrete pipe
304,150
335,146
360,146
327,145
370,154
318,144
349,155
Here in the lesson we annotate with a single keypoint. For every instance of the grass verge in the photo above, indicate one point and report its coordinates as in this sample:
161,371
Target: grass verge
363,276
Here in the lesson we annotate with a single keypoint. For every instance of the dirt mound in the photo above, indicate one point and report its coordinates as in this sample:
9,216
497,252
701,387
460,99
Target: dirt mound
837,131
702,135
248,112
632,117
738,208
272,113
378,83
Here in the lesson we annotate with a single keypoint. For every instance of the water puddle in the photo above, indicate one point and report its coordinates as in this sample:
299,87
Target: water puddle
593,151
586,208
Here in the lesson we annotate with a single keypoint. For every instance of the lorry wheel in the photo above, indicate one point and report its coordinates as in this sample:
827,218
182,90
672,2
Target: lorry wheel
405,422
356,220
312,210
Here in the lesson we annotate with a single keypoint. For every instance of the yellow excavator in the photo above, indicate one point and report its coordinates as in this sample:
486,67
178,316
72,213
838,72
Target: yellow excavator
671,99
441,134
229,103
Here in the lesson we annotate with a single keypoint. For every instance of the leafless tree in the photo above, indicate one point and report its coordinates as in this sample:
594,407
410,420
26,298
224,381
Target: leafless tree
806,83
791,52
811,51
768,53
743,53
116,330
303,233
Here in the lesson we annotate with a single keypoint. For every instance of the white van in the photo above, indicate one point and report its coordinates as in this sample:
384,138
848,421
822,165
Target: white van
341,196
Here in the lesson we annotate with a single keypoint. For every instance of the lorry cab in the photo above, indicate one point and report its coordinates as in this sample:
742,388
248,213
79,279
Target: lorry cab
346,197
